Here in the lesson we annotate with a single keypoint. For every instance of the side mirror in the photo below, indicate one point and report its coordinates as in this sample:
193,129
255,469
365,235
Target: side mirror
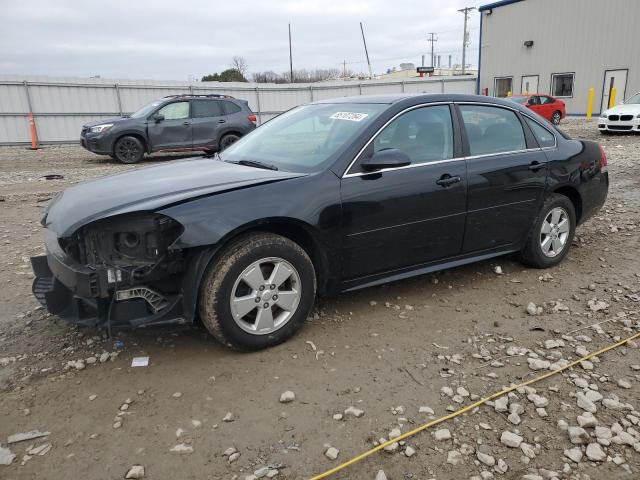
158,118
387,158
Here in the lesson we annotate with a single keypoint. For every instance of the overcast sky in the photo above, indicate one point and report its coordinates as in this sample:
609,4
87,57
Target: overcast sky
162,39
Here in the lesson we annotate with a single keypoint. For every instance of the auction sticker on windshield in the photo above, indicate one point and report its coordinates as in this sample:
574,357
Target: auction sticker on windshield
351,116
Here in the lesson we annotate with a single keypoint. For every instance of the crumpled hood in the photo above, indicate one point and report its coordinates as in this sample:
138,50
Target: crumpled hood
629,109
150,188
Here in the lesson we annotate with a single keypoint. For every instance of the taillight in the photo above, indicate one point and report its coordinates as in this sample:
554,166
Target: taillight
603,159
252,118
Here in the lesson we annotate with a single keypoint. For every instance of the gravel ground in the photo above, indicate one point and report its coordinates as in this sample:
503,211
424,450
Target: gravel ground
368,365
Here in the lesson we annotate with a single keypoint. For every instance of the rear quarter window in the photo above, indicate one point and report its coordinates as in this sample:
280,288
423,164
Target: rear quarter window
230,107
545,137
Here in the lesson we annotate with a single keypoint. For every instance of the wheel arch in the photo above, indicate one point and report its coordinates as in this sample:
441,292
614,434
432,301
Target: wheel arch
137,135
572,194
293,229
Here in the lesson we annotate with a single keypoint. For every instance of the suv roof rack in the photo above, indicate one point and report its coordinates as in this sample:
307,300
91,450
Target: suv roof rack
196,95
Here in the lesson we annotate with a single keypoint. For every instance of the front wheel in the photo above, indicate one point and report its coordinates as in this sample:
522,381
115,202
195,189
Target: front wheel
552,233
129,149
556,117
258,293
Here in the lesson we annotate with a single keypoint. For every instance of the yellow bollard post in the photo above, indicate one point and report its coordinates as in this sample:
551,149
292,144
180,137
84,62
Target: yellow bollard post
590,102
509,93
612,97
525,93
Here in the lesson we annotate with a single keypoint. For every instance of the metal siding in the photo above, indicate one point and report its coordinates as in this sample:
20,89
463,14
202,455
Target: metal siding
586,37
62,105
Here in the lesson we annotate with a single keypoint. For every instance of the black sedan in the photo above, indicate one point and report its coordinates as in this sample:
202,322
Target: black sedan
328,197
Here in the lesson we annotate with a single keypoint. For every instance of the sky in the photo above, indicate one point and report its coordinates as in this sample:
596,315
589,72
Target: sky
171,40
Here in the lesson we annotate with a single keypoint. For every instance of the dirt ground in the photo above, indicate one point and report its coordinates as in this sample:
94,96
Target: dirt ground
438,342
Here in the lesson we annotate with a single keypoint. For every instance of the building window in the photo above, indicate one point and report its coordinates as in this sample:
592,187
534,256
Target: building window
502,86
562,84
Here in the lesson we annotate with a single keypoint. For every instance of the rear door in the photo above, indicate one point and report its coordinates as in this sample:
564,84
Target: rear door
207,117
548,106
406,216
506,173
174,130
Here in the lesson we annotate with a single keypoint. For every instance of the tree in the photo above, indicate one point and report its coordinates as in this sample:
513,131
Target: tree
228,75
240,64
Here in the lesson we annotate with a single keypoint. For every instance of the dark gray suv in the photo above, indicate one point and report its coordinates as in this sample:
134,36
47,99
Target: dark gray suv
177,123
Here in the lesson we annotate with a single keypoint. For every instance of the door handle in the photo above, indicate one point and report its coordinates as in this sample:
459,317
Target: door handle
535,166
447,180
222,120
186,124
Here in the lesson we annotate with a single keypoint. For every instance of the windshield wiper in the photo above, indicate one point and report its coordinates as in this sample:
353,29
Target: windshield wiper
255,163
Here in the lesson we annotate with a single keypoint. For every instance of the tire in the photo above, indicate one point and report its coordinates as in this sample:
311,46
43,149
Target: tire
113,155
533,253
225,280
129,149
227,140
556,117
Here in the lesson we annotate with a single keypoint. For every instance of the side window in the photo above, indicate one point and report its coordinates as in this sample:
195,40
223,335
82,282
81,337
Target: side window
502,86
206,108
562,84
175,111
425,134
492,129
545,137
230,107
545,100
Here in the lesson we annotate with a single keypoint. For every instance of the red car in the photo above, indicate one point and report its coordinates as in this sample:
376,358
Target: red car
548,107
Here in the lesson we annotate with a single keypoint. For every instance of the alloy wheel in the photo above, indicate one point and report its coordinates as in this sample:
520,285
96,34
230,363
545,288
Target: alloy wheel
128,150
554,233
265,296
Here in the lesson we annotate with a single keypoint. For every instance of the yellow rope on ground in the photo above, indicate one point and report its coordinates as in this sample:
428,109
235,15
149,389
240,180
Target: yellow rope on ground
437,421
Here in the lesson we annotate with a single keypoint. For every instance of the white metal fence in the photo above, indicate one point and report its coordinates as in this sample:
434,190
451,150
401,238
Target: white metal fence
61,106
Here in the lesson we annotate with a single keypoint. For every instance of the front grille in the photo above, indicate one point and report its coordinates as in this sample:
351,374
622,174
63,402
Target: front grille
620,127
626,118
614,118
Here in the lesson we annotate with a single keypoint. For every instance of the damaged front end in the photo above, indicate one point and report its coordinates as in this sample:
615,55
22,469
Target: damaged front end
118,271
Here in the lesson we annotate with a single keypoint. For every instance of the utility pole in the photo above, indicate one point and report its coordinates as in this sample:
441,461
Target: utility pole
344,69
290,57
432,40
465,36
366,52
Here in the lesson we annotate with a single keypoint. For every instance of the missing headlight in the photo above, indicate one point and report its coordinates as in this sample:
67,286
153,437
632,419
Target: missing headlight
131,247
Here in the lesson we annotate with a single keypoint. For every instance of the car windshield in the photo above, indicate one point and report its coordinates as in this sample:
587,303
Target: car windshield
306,138
146,110
518,99
633,100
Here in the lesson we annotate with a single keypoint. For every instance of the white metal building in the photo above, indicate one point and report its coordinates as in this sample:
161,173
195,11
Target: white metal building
561,48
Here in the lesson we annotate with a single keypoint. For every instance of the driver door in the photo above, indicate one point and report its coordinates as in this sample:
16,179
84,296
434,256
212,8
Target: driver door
402,217
172,131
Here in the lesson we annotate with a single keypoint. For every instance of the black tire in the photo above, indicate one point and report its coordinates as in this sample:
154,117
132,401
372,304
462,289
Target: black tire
113,155
227,140
532,254
556,117
222,275
129,149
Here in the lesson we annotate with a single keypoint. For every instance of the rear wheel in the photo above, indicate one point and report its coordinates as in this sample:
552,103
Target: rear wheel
227,140
258,293
552,233
129,149
556,117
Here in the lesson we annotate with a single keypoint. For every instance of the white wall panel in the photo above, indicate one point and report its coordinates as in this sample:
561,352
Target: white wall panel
62,105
